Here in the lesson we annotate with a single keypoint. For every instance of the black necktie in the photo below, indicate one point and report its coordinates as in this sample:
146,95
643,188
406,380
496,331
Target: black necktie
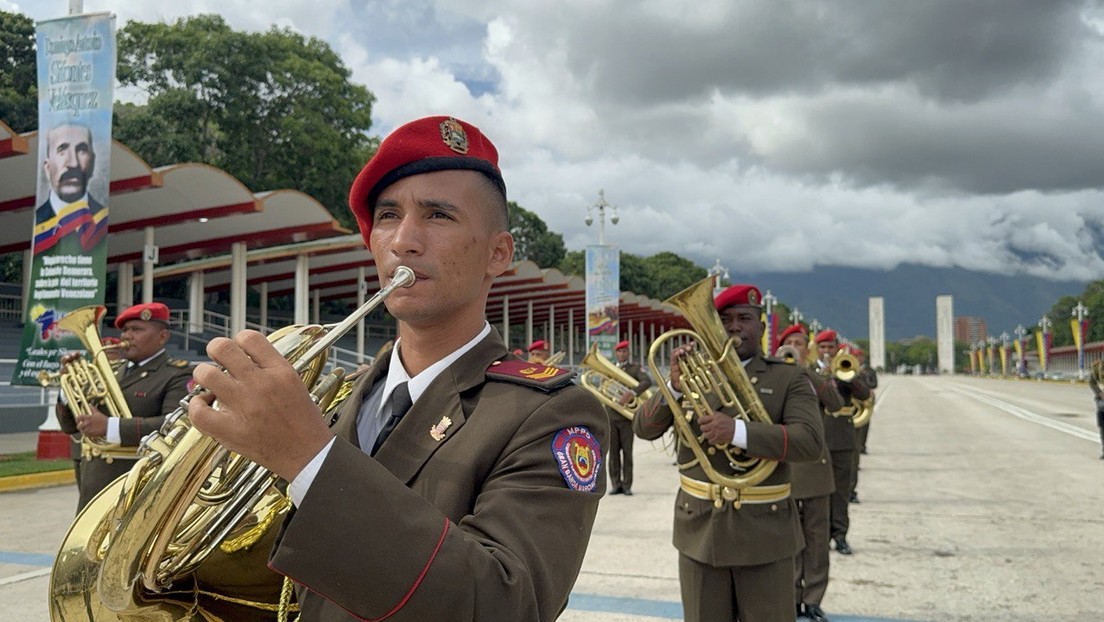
400,403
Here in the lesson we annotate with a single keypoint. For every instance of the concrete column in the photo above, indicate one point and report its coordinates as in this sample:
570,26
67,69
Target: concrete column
302,284
529,325
571,336
876,331
551,329
195,302
148,264
944,333
506,320
316,307
124,293
262,318
238,287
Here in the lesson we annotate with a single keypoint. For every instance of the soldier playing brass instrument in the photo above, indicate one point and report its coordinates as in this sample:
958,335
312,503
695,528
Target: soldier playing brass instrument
736,545
1095,380
621,434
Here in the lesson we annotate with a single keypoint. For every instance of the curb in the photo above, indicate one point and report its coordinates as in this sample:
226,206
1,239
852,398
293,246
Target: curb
37,480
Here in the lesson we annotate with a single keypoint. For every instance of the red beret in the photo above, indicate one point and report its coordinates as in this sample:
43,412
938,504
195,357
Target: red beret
621,344
150,311
107,341
795,329
538,345
422,146
826,335
748,295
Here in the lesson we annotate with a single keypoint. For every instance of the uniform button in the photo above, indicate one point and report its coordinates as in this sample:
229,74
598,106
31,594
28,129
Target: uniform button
774,507
824,461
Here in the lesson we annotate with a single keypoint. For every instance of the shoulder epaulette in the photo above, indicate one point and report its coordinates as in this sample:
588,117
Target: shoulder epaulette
178,362
529,374
774,359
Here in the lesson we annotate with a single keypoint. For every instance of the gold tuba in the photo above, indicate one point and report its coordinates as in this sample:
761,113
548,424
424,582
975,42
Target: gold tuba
844,366
90,383
159,543
864,410
713,372
608,383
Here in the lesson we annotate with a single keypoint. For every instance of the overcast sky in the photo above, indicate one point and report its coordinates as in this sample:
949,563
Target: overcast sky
772,135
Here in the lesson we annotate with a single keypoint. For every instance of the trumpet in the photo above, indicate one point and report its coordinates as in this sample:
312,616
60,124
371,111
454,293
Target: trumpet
844,366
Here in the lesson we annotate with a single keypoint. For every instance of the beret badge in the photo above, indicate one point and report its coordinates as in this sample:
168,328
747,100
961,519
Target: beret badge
454,136
145,315
753,297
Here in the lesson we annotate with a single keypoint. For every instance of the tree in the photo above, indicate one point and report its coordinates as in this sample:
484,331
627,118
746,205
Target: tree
533,240
273,109
18,78
658,276
1062,312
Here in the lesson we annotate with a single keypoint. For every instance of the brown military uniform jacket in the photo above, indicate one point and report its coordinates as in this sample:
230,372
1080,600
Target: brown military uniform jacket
151,392
839,431
814,478
755,533
480,525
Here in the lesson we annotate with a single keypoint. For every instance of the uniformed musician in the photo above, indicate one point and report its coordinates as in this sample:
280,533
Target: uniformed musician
538,351
839,433
736,557
152,383
812,490
621,433
457,482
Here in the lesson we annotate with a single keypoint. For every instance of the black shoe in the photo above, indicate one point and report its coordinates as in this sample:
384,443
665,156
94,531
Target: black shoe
815,613
842,547
800,612
616,491
628,491
854,498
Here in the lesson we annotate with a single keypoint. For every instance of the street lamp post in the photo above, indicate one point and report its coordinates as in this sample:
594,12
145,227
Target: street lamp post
1044,352
768,335
795,316
718,272
1005,340
1021,364
1079,312
600,208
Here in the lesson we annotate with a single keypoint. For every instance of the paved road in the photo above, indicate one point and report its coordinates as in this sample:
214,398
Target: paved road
981,500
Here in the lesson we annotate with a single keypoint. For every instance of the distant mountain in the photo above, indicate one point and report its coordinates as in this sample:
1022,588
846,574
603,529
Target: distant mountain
837,297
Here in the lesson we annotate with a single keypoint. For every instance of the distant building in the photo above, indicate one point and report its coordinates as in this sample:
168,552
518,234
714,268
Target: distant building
969,329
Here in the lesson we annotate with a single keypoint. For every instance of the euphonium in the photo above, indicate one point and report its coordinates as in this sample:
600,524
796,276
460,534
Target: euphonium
608,383
711,374
90,382
137,551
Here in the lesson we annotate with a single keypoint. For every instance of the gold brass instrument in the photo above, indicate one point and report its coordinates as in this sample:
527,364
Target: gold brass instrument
711,374
788,354
864,410
89,383
844,366
555,358
138,550
608,382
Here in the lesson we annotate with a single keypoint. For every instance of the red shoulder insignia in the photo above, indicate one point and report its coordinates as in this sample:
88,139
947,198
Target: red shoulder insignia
529,374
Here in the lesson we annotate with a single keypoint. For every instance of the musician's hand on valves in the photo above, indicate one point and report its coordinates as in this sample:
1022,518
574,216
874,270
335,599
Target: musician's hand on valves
69,358
93,424
264,411
718,428
676,372
626,397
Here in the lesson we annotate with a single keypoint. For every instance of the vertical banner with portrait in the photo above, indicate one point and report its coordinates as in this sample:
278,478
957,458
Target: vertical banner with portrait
76,80
603,297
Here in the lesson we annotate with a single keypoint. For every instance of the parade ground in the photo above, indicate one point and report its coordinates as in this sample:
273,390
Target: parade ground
980,500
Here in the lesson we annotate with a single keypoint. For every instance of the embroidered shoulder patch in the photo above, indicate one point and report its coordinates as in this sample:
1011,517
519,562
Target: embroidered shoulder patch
529,374
579,457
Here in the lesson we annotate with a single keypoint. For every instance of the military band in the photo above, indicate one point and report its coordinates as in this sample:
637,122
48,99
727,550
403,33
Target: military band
621,433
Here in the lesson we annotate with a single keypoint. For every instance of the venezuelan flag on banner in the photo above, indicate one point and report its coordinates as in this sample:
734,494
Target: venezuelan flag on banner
770,329
68,260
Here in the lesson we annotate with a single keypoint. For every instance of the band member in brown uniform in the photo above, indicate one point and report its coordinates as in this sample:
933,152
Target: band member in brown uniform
871,379
736,557
839,433
152,384
538,351
621,433
479,504
812,490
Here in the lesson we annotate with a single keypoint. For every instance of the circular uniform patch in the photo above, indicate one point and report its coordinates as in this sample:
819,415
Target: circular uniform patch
579,457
